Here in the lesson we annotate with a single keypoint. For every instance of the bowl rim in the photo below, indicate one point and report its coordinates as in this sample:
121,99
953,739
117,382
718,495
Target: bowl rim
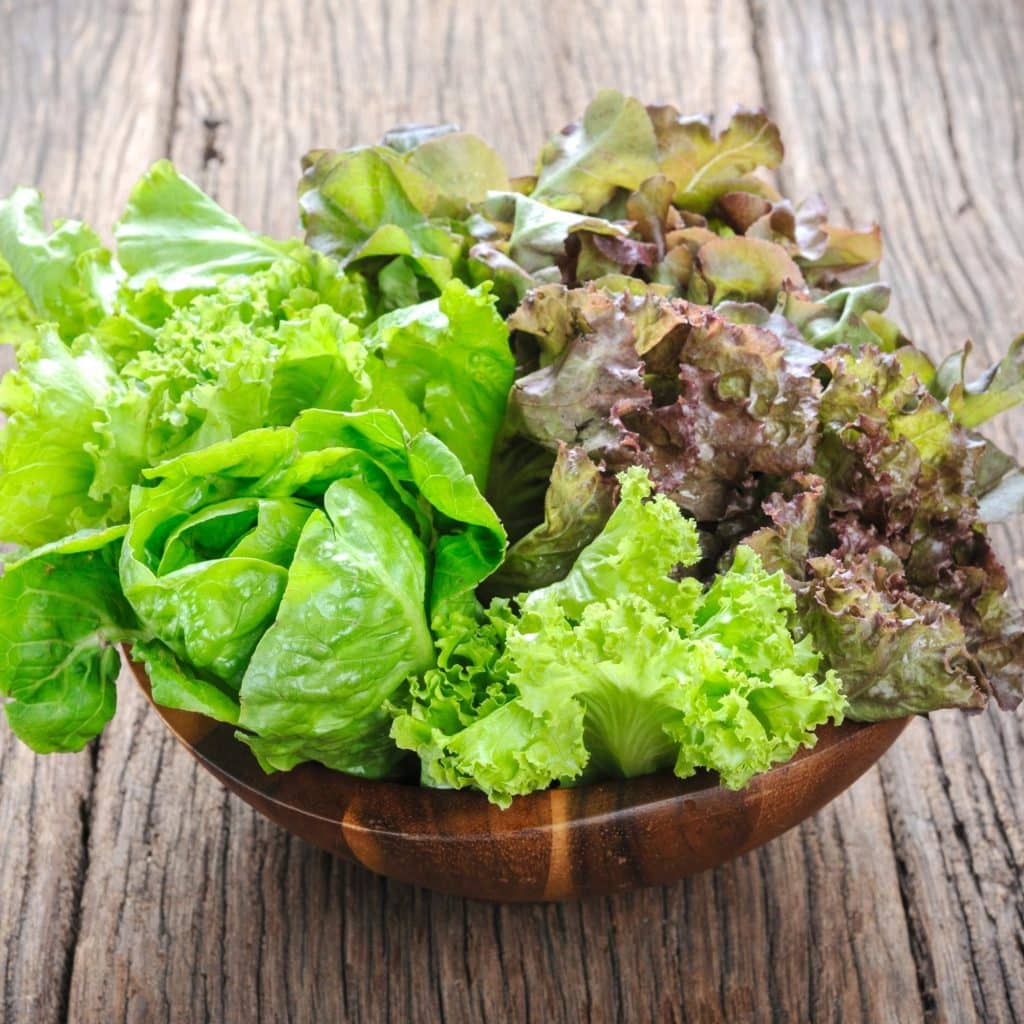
214,745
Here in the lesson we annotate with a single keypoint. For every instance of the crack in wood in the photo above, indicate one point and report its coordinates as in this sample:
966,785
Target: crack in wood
78,883
924,968
176,74
211,151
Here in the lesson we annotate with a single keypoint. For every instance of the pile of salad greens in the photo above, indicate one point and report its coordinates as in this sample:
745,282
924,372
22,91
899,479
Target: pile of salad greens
495,482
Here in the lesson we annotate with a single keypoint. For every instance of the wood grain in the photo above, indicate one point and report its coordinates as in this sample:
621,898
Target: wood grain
932,149
84,90
147,894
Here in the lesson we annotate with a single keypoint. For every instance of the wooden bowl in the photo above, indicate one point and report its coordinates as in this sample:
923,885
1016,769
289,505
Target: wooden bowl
556,845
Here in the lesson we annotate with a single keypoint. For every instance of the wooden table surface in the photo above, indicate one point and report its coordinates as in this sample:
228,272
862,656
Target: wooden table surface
132,888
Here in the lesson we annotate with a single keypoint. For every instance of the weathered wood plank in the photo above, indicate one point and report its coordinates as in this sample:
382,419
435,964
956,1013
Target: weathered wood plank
84,90
198,908
912,113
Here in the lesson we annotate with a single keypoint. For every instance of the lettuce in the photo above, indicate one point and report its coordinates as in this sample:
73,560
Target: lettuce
80,427
420,359
17,315
63,614
577,504
203,586
56,403
200,331
172,232
288,578
263,464
390,213
619,670
612,147
887,546
350,627
853,467
67,275
701,402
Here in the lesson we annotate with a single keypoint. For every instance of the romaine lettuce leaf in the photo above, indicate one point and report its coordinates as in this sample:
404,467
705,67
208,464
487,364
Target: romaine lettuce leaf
372,209
444,366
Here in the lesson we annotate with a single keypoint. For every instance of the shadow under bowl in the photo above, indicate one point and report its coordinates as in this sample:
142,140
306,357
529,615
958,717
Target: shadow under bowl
554,845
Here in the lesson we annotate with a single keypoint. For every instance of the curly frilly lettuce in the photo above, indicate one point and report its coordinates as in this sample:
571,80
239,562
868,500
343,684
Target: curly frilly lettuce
620,669
701,402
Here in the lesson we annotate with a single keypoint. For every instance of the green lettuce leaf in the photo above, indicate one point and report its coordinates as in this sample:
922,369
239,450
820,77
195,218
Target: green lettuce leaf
69,277
371,208
643,542
421,359
207,602
174,233
848,316
175,685
254,353
18,318
62,616
467,537
462,167
851,257
746,270
612,147
999,388
1000,484
57,402
351,626
538,232
320,551
83,423
577,504
704,166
